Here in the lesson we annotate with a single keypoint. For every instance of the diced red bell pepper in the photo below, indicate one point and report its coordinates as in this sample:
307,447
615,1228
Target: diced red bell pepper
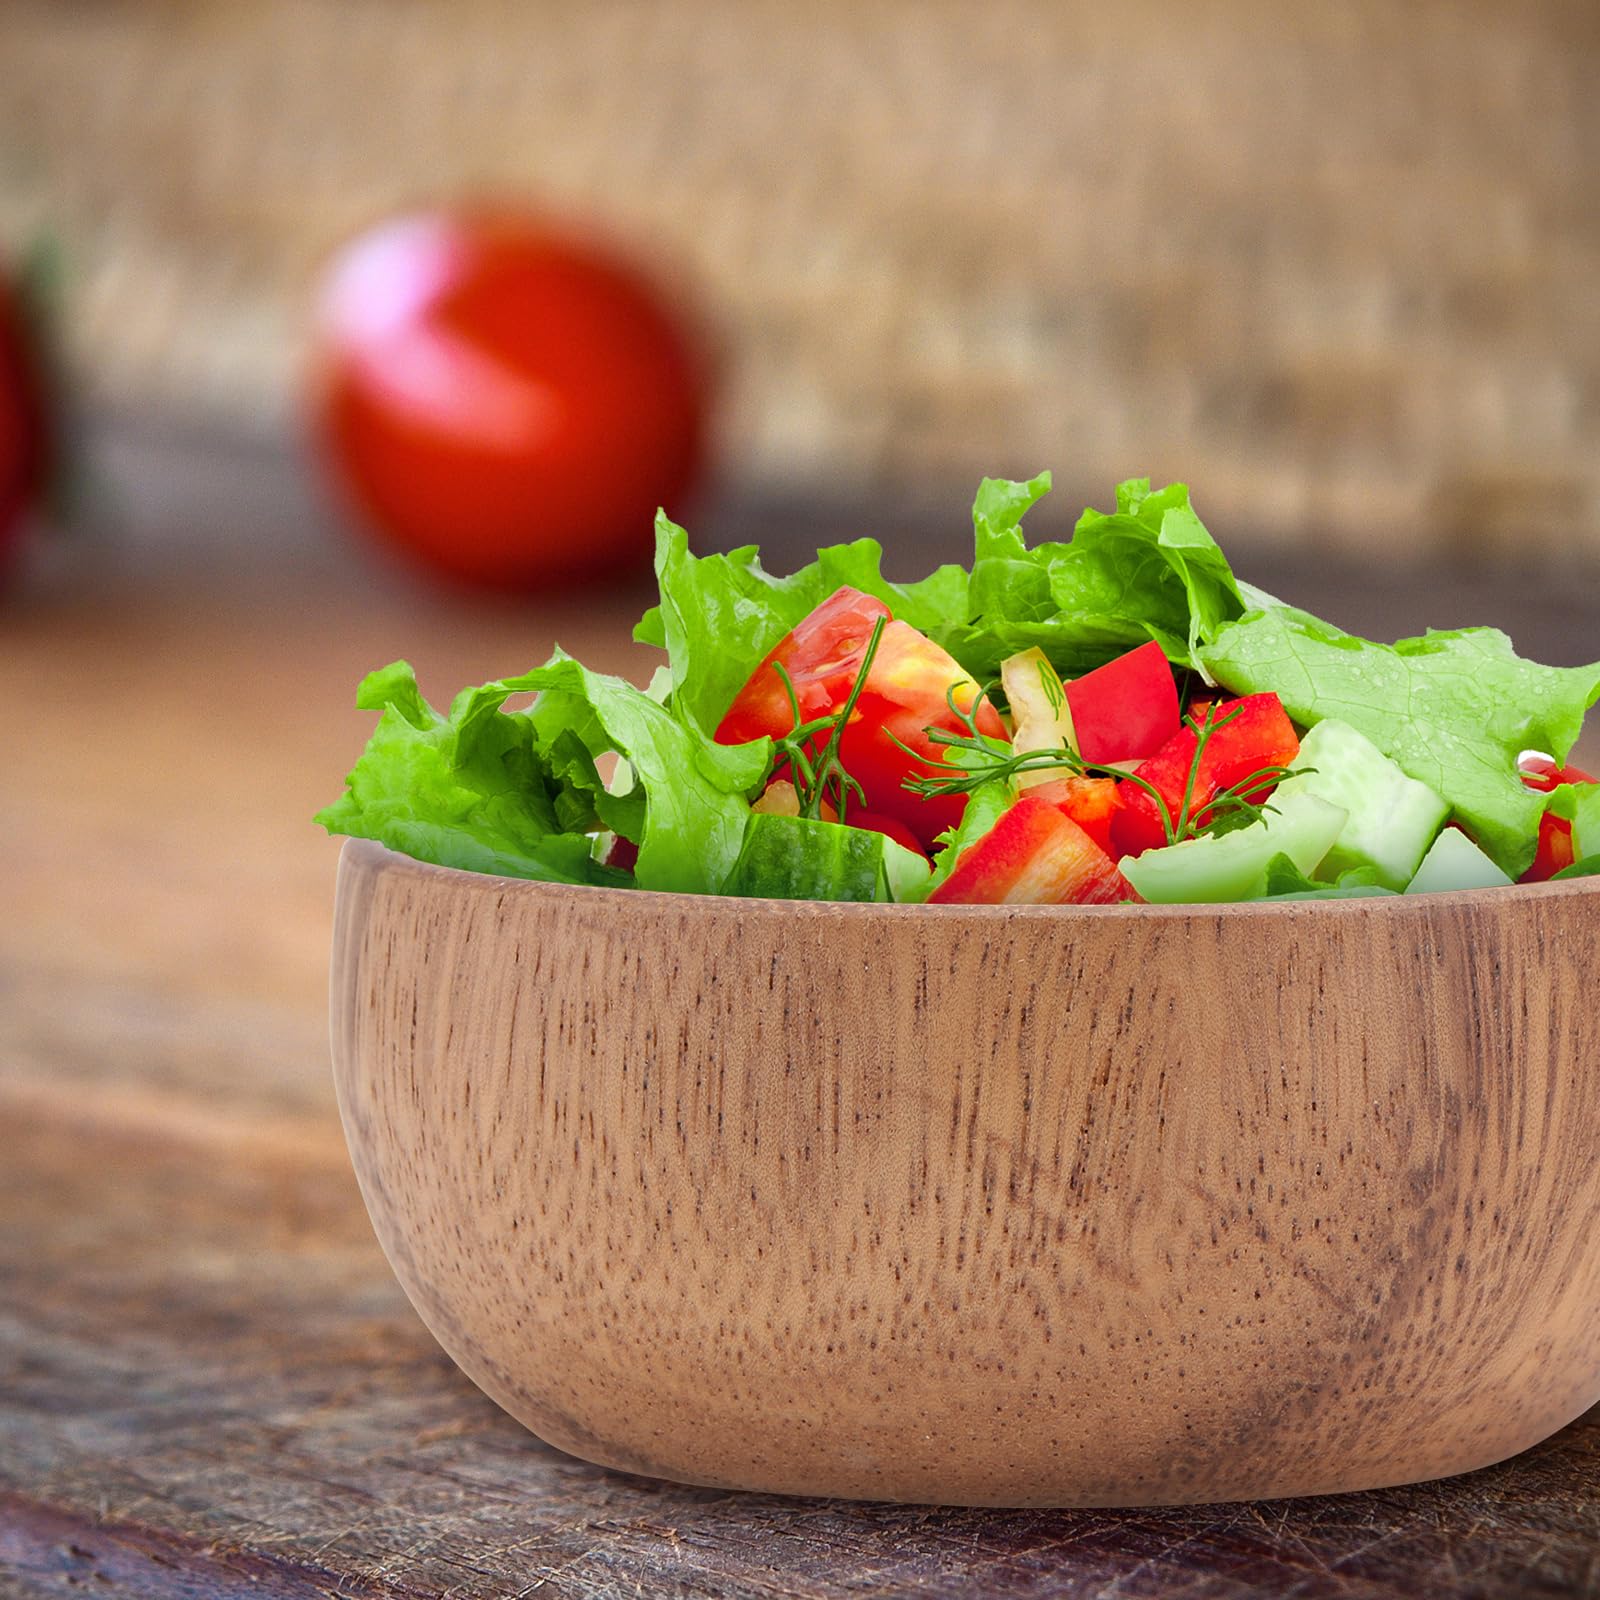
1034,856
1555,852
1090,802
1254,732
1540,772
1127,709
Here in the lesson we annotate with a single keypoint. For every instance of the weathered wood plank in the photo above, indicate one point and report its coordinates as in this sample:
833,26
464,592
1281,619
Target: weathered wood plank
211,1374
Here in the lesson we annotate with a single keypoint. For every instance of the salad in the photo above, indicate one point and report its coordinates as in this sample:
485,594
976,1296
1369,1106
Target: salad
1113,719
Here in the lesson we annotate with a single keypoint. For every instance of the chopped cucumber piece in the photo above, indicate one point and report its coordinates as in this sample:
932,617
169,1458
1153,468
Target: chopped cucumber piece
1393,818
796,858
905,872
1233,866
1455,862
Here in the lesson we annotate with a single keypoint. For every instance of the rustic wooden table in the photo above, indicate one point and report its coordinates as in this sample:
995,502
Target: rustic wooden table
210,1383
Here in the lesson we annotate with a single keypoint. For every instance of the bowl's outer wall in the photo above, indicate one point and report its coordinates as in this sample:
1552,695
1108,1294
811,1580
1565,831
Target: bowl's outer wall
978,1207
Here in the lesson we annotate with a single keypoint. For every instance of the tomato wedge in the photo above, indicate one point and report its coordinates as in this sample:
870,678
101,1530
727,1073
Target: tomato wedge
904,695
822,656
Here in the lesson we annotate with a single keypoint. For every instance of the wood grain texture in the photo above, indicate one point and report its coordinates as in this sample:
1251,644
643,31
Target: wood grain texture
986,1206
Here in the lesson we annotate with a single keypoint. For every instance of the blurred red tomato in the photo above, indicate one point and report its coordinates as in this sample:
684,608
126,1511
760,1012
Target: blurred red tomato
24,419
506,403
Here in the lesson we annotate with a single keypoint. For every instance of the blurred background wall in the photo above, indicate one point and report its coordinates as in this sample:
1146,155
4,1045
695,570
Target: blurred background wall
1336,265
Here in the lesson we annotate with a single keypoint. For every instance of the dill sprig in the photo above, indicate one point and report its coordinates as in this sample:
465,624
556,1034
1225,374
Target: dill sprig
814,777
980,762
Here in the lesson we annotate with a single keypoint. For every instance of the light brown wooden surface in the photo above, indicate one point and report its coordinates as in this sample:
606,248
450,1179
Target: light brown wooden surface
210,1382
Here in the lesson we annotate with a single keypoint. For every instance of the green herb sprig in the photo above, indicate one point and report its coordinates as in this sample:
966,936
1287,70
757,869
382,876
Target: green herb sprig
814,778
1234,805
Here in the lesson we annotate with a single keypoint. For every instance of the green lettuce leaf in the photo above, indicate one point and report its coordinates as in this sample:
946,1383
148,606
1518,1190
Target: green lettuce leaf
1285,881
1588,867
720,614
519,793
688,805
1453,710
473,789
1148,570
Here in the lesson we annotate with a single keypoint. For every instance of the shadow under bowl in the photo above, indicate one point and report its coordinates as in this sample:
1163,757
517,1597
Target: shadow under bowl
987,1205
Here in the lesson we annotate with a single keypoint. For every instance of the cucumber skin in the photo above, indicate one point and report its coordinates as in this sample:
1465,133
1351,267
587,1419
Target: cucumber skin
791,858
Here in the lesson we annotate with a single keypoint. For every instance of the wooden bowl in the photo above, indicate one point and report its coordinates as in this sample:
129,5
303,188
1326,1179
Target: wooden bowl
987,1205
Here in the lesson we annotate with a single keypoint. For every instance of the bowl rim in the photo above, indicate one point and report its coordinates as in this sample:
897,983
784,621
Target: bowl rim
663,900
